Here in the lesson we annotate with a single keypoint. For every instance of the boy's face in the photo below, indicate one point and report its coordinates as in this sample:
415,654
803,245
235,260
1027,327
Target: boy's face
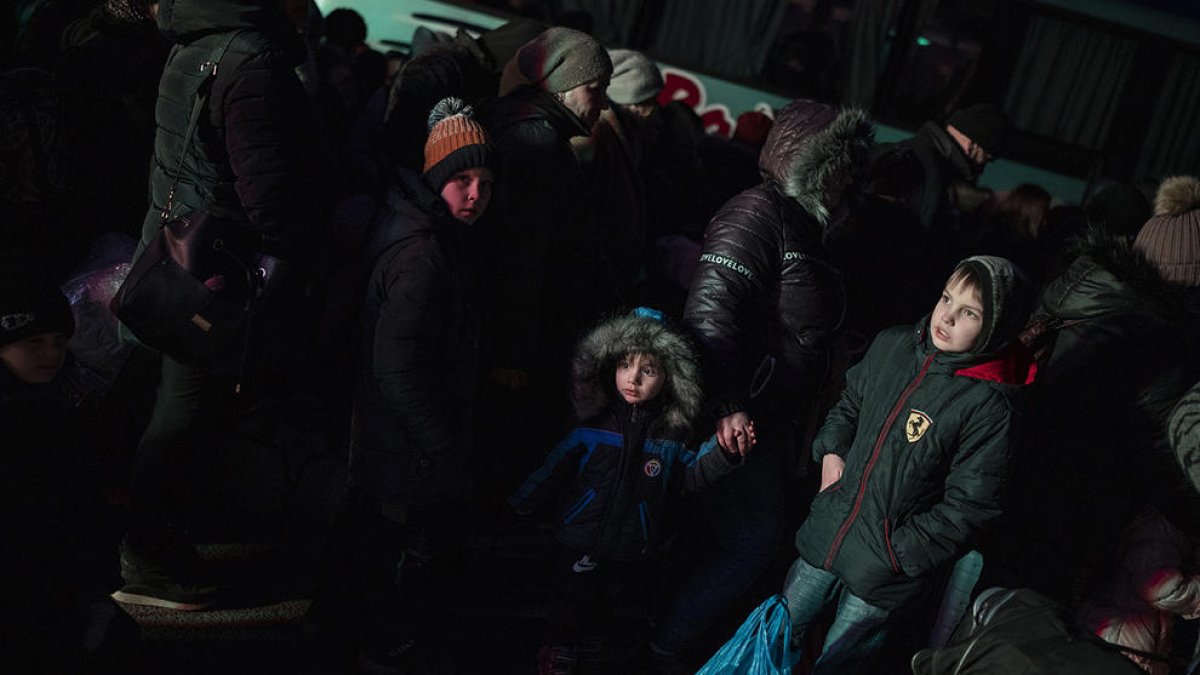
957,318
468,193
638,378
36,359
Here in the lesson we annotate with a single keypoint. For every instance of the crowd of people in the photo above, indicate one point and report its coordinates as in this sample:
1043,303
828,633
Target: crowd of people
520,283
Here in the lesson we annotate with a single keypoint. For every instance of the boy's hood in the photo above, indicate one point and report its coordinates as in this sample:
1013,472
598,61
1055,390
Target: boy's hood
1008,295
594,367
809,144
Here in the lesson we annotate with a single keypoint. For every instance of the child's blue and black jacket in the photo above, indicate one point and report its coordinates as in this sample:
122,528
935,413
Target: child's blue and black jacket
613,477
621,480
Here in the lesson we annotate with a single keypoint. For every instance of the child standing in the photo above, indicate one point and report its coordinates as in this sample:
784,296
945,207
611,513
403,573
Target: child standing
636,393
913,458
59,569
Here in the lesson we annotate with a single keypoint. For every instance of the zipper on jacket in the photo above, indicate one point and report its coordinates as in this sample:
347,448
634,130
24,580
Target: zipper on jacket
862,488
619,485
887,542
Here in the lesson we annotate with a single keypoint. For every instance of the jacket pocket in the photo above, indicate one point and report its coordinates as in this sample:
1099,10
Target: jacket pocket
579,505
887,544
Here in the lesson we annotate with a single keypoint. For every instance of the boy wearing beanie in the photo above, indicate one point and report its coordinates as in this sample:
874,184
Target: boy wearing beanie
415,395
56,615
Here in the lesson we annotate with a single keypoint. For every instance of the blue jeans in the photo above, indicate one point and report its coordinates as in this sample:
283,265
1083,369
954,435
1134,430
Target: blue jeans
858,629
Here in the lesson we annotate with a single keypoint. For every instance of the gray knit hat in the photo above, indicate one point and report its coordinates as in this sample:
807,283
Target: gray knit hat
1171,238
561,59
635,78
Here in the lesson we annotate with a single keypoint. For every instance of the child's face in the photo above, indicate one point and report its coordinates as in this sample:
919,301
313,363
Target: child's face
957,318
467,193
36,359
638,378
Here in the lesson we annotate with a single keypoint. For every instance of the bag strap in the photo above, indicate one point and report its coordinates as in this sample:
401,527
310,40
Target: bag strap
209,68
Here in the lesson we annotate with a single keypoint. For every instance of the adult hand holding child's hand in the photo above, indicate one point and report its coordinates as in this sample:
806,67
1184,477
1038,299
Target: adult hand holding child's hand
735,433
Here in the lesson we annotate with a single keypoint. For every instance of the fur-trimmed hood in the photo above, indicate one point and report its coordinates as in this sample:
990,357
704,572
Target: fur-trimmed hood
1108,274
812,144
641,331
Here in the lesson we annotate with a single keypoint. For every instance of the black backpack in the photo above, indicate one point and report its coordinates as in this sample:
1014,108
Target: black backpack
1019,631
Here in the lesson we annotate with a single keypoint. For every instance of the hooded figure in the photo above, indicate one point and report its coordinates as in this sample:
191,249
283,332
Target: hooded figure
766,307
1112,362
637,392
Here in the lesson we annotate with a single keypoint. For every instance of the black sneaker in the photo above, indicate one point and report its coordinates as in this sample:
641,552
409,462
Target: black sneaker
406,658
169,582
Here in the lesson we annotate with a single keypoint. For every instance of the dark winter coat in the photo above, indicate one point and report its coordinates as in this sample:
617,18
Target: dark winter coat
931,161
610,158
925,437
1092,449
111,68
250,160
766,303
420,352
544,255
56,561
614,476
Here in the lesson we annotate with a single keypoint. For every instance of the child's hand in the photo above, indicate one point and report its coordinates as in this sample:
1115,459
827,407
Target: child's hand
832,467
735,433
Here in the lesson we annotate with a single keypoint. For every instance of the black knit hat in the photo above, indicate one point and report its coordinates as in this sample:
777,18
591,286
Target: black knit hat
30,303
1120,208
986,124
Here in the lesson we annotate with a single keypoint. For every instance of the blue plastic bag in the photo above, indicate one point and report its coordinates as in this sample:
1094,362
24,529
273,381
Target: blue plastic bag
761,646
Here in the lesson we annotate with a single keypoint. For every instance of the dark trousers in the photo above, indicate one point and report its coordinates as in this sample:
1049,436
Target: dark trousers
745,513
193,411
580,609
389,572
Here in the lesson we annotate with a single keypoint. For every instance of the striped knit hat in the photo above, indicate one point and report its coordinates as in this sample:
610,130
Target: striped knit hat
1171,238
456,142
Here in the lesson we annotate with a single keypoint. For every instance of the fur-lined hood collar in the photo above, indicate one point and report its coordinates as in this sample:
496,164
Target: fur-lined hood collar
594,367
812,144
1108,275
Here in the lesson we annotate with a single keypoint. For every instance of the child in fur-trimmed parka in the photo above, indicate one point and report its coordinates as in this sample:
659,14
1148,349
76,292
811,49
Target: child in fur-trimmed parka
913,459
636,391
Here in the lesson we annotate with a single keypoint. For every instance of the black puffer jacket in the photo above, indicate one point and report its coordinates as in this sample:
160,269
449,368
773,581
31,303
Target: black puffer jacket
251,157
624,462
767,303
543,249
420,353
1092,445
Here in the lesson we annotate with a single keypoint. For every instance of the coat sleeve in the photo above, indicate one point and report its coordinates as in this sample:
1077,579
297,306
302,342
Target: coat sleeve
971,498
739,260
701,468
550,478
405,346
841,422
266,131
